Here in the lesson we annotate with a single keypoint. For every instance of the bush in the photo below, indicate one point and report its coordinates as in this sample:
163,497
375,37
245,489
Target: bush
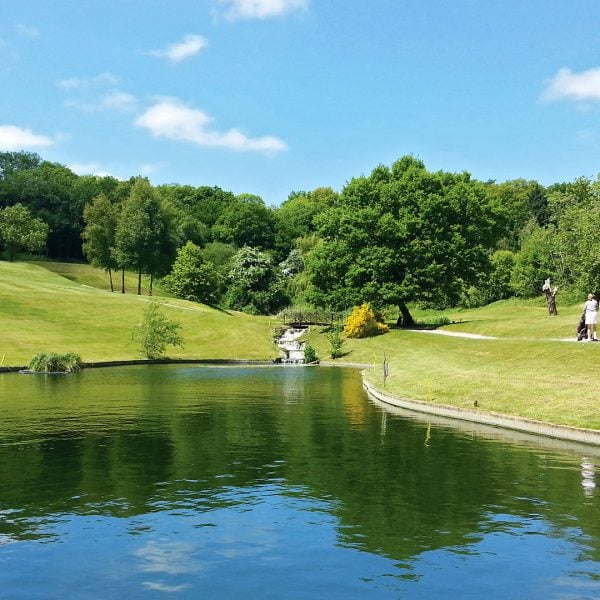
363,322
310,354
49,362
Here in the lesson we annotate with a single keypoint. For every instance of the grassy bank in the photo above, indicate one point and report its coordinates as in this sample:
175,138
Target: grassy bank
532,369
41,311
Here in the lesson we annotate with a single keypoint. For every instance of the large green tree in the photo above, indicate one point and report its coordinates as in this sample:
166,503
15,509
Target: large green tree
400,235
192,278
246,221
48,191
19,230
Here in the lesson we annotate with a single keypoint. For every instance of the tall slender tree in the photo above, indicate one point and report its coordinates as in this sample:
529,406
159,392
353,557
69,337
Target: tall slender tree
101,218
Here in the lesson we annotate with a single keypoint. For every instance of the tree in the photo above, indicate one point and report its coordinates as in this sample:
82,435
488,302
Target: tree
535,262
192,278
246,222
48,191
101,218
402,235
156,332
20,231
255,284
17,161
295,218
144,240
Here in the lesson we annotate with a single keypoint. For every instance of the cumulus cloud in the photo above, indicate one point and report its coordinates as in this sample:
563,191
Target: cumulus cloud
84,83
261,9
567,85
15,138
169,118
189,46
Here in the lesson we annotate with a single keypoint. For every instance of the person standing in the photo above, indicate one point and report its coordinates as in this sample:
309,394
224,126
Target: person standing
591,317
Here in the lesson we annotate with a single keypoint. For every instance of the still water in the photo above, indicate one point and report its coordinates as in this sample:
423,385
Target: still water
195,482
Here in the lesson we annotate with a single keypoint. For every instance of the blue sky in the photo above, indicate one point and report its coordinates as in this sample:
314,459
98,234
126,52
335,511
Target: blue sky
271,96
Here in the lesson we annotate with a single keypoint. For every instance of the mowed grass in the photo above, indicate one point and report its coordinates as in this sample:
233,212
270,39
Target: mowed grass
42,311
533,369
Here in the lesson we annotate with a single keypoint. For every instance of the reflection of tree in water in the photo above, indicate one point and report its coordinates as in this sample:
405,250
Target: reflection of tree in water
186,443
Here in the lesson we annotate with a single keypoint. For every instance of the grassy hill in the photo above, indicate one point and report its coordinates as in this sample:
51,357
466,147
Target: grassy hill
43,311
530,366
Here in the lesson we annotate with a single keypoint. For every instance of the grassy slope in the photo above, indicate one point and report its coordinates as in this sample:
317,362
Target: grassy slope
42,311
533,369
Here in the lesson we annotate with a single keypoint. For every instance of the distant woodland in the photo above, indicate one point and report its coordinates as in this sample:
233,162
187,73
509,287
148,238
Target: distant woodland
400,235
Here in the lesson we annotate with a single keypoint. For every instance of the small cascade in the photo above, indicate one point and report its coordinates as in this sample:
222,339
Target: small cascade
292,348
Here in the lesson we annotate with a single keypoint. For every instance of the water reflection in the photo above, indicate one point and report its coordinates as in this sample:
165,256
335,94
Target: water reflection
280,482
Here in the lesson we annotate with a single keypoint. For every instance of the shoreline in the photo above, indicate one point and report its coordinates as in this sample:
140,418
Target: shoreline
513,423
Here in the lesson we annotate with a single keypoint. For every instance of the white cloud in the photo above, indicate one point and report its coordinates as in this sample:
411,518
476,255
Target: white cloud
566,85
261,9
15,138
115,101
186,48
90,168
27,32
171,119
150,168
78,83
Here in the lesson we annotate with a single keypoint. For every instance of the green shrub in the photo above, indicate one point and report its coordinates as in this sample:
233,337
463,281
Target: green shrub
310,354
156,332
49,362
336,342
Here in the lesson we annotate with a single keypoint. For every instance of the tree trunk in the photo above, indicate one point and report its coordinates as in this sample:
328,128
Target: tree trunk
139,283
112,289
151,280
404,318
123,281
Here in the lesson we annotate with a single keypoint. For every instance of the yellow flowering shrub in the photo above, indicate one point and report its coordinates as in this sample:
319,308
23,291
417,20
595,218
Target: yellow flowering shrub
362,322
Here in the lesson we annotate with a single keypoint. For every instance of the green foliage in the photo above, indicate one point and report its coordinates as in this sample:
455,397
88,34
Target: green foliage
497,286
364,322
50,362
156,332
255,285
402,235
101,218
246,222
336,342
310,354
295,218
20,231
145,236
192,278
534,263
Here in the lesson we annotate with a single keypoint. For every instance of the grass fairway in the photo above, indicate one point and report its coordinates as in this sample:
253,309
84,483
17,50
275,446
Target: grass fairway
533,368
43,311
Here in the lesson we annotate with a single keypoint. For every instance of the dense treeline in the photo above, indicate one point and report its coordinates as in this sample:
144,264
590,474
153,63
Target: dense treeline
400,235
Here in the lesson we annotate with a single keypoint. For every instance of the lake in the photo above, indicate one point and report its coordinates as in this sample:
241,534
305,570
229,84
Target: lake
179,481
